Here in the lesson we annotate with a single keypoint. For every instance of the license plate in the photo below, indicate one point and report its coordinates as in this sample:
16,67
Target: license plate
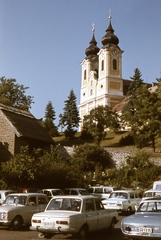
48,224
145,230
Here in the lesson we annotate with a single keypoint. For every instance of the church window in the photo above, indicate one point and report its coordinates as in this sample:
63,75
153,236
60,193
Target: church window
102,65
91,92
85,73
114,64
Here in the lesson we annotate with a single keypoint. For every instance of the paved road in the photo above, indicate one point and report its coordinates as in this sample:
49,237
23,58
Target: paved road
25,234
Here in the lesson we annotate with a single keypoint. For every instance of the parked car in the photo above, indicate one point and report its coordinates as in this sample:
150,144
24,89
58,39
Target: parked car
103,192
18,209
76,215
124,201
145,223
75,191
157,185
151,194
3,195
51,192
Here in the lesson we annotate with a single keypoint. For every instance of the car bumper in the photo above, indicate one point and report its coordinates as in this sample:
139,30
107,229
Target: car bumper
55,230
140,236
5,223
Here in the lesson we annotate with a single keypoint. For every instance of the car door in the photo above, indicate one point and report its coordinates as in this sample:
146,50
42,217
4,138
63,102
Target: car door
91,214
42,203
103,219
30,207
134,200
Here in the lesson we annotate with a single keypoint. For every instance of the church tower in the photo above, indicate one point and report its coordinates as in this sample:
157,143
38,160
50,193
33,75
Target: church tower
101,82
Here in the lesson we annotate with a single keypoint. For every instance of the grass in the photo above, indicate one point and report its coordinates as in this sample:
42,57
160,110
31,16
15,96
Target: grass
111,140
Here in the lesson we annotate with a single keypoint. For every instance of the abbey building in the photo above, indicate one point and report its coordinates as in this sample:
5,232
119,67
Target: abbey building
101,81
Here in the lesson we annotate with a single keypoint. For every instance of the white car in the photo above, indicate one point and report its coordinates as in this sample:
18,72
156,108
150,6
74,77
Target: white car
151,194
51,192
124,201
3,195
18,209
76,215
103,192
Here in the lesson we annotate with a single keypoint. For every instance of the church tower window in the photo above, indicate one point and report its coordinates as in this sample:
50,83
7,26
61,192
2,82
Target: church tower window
85,73
102,65
114,64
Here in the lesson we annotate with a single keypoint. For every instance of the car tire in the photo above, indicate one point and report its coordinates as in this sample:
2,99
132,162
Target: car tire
129,211
45,235
16,223
112,225
82,235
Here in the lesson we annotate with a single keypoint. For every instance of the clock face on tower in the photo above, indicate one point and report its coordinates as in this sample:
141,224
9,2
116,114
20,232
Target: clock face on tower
114,53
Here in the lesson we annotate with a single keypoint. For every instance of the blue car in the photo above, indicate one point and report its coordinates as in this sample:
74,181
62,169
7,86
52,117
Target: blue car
146,222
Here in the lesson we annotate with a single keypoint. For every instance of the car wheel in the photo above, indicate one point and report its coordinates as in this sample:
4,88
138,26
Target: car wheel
112,225
16,223
83,233
129,211
45,235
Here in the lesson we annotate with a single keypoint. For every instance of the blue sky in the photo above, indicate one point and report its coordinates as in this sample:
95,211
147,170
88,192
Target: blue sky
42,43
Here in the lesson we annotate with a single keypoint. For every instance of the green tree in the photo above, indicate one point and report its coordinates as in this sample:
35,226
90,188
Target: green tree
144,117
138,171
88,163
70,117
14,94
49,120
136,83
38,169
98,120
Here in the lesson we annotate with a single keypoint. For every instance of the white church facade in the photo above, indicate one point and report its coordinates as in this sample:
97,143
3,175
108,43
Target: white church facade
101,80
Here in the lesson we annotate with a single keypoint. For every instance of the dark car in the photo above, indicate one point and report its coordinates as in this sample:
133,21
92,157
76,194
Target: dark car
76,191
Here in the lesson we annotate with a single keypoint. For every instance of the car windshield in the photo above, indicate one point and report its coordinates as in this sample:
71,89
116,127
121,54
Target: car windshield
15,199
99,190
150,207
56,192
69,204
119,195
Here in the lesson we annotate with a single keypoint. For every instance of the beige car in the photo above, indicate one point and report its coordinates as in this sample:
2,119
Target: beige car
18,209
77,215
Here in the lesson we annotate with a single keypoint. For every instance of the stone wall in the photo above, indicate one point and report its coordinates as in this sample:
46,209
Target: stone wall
120,154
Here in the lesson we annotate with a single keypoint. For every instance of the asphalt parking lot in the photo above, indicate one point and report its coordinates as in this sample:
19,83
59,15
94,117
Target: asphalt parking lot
26,234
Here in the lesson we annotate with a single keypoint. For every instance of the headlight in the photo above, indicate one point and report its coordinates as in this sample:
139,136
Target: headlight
4,215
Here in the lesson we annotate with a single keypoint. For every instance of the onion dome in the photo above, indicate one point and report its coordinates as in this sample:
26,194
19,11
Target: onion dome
110,37
92,50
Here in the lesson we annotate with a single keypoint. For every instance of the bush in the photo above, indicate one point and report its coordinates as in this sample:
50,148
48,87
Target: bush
126,140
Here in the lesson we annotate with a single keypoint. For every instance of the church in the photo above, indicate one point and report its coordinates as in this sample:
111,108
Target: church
101,80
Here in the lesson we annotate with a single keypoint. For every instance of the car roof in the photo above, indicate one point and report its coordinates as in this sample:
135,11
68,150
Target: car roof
7,191
27,194
49,189
76,196
125,191
152,190
76,188
151,199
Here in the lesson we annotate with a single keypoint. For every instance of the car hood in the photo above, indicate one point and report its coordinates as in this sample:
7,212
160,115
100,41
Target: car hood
7,207
143,219
56,214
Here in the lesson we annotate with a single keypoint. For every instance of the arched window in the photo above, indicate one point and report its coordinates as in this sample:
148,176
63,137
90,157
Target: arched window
102,65
114,64
85,73
91,92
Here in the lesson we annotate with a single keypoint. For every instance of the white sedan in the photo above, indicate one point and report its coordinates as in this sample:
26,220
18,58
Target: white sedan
76,215
124,201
